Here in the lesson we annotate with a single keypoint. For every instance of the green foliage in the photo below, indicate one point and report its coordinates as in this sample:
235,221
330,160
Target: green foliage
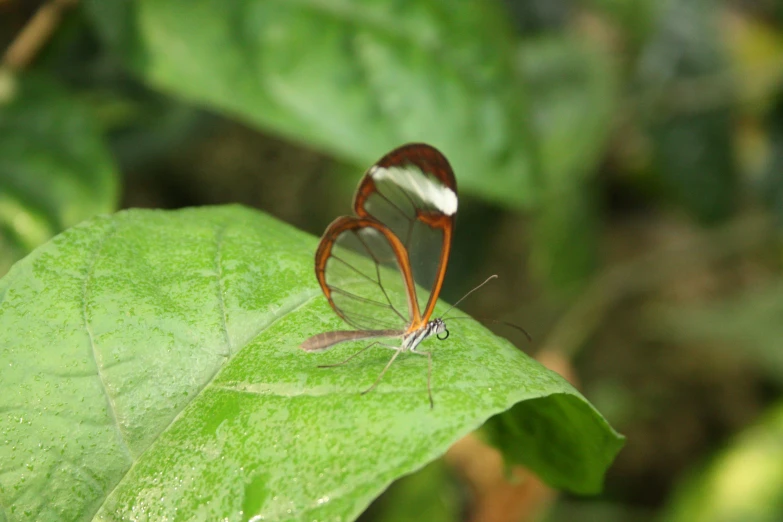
574,85
352,78
428,494
750,321
54,169
536,437
744,482
772,183
690,122
154,368
149,360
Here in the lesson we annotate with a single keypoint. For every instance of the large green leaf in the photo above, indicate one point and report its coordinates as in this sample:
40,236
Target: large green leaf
351,77
151,371
54,168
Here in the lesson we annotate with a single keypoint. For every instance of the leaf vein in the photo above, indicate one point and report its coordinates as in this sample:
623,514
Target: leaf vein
221,288
87,326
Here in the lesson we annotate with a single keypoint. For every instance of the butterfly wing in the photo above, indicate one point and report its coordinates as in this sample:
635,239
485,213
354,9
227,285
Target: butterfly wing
363,271
368,264
413,193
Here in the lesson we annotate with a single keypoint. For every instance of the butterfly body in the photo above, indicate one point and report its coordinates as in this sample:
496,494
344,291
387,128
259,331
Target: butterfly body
412,340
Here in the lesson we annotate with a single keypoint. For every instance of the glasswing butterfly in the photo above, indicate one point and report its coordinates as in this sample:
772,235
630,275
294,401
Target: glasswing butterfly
369,264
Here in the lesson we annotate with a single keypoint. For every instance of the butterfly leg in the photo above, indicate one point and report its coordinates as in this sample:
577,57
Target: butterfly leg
429,374
378,380
376,343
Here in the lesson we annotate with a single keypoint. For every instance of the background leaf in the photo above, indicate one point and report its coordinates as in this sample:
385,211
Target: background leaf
744,482
54,168
574,85
352,78
154,368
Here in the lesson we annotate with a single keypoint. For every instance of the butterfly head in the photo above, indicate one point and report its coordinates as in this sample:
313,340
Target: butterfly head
438,327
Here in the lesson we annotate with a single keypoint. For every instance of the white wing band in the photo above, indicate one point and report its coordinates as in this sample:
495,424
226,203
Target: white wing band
413,180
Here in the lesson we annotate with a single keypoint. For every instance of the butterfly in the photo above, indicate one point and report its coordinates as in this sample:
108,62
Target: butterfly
369,264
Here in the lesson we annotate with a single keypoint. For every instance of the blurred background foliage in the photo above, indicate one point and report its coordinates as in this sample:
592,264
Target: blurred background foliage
620,167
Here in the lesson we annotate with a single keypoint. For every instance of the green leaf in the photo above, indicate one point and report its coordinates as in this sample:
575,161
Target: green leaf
54,168
562,433
352,78
565,237
152,369
744,482
574,85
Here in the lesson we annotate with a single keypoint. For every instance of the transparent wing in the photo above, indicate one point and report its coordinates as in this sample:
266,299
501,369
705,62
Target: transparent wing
412,191
364,273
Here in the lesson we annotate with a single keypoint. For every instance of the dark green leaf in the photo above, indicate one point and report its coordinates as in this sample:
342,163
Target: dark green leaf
351,78
696,161
152,370
54,168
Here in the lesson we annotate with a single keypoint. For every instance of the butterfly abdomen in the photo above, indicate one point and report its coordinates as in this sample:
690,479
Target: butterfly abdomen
326,340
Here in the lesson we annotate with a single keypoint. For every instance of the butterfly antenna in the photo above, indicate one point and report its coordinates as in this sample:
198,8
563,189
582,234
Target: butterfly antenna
490,278
495,321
